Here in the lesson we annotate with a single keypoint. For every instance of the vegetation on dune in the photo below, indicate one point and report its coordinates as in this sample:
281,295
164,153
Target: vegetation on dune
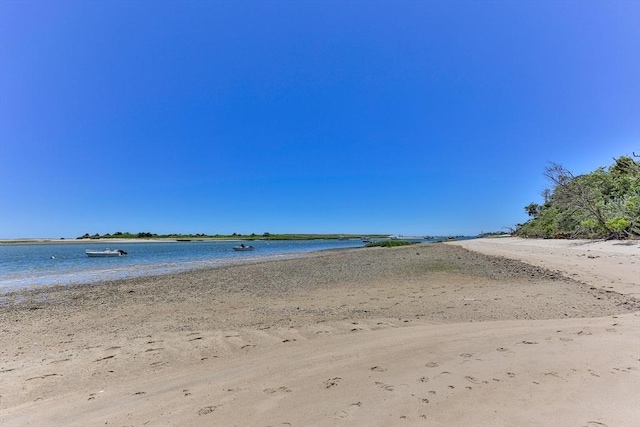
603,204
389,243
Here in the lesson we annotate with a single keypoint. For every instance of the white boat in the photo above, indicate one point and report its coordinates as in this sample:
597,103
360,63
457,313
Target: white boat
242,247
105,253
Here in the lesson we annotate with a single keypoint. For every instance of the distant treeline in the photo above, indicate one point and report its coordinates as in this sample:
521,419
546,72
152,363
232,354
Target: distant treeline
603,204
252,236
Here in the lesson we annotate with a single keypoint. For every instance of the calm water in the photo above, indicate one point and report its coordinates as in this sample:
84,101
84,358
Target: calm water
33,265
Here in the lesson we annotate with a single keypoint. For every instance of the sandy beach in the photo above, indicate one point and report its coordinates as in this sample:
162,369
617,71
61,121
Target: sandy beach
486,332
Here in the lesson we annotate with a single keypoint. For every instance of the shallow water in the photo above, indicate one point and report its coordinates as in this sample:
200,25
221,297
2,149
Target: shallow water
34,265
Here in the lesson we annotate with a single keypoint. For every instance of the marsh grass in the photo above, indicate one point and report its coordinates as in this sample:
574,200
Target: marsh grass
389,243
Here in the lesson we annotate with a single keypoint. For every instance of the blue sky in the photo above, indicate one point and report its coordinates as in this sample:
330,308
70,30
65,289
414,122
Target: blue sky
291,117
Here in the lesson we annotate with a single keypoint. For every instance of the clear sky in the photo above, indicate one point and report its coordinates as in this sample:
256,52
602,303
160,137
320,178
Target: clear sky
363,117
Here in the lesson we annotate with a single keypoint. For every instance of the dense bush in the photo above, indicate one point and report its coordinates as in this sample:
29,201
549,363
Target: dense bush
602,204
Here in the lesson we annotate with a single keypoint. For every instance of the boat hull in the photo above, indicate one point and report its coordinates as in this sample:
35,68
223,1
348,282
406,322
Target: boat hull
105,254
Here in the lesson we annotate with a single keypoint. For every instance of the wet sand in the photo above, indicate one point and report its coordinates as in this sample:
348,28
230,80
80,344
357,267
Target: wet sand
440,334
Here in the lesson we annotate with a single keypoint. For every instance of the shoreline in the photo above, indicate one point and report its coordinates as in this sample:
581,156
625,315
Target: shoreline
375,336
17,291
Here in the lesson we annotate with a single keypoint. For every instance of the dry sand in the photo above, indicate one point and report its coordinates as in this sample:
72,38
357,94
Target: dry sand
438,335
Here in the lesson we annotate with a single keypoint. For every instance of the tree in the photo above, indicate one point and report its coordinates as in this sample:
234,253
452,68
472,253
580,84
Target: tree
532,209
578,194
602,204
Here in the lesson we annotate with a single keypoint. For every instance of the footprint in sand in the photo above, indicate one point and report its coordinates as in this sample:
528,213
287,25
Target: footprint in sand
378,369
158,364
384,386
385,324
472,379
432,365
350,410
207,410
332,382
277,390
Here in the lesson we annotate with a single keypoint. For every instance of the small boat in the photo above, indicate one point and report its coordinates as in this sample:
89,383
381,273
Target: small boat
242,247
105,253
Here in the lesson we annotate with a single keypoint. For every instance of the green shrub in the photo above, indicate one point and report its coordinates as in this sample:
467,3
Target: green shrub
602,204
